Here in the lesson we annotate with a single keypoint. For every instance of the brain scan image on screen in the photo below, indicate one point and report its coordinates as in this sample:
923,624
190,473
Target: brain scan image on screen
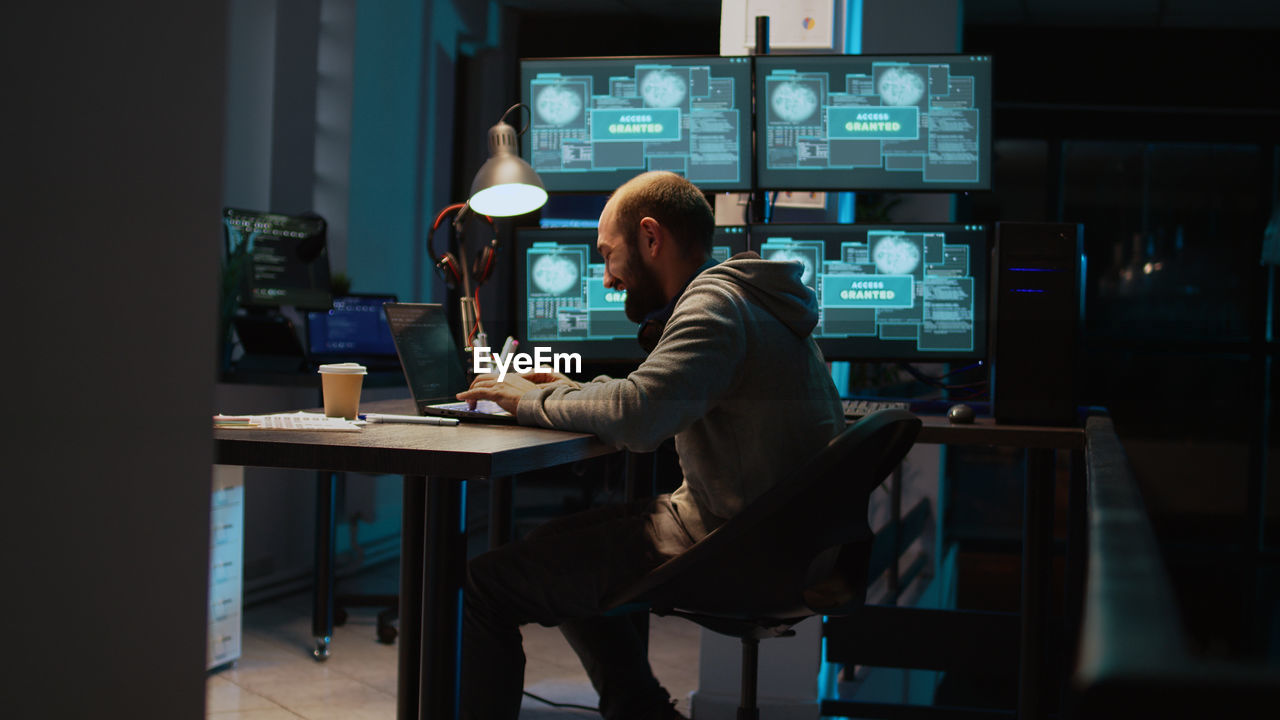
793,102
900,86
555,275
661,89
557,105
806,277
896,256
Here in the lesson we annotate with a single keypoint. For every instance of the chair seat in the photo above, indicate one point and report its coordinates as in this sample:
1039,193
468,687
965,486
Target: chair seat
743,628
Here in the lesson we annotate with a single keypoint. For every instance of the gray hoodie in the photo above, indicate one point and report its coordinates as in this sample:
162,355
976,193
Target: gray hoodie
736,378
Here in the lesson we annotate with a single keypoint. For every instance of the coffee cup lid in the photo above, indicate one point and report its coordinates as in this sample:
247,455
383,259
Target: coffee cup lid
348,368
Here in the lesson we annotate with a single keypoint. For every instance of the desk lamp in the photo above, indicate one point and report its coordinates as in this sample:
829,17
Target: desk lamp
504,186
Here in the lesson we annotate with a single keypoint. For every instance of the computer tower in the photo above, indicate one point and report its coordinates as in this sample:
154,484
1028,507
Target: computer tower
1036,313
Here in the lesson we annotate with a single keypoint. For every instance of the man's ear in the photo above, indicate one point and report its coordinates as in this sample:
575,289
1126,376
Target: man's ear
651,238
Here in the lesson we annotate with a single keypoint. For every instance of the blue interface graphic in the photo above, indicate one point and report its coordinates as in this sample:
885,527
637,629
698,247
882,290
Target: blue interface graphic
598,122
900,292
877,123
563,297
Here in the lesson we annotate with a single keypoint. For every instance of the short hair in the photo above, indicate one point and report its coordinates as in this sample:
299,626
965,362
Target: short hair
677,204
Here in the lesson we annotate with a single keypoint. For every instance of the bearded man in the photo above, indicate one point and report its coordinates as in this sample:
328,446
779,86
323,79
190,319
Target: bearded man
733,375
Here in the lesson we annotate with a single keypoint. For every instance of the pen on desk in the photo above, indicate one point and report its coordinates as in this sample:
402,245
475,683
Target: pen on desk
507,347
418,419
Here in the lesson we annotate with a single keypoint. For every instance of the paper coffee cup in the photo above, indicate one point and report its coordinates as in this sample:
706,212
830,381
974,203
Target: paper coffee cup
340,383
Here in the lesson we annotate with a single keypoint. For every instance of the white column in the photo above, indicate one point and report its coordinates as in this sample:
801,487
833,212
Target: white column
787,684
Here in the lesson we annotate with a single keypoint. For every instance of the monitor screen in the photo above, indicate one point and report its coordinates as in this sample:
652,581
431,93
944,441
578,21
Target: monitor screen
356,325
562,302
597,122
890,292
285,259
866,122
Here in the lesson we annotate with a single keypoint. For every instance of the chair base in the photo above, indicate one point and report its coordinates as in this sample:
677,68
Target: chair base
386,618
747,709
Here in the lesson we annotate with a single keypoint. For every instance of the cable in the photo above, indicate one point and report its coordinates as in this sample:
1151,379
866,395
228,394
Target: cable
970,394
561,705
916,371
937,382
967,386
508,112
978,392
476,327
448,209
960,370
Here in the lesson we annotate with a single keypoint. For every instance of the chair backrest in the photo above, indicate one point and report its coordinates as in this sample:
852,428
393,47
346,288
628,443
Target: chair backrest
800,548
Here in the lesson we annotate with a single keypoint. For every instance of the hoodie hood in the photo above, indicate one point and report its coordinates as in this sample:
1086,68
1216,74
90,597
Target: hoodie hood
775,286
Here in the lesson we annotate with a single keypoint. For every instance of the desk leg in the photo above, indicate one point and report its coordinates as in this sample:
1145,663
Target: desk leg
641,477
1037,535
412,544
641,481
1077,550
322,587
446,556
501,511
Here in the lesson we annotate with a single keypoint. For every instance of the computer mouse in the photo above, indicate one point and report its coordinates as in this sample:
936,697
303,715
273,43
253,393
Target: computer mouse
960,414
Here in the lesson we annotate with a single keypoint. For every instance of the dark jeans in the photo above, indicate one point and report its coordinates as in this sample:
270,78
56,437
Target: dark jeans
561,574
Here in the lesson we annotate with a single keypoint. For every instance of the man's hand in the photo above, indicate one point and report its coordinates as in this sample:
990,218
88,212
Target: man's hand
506,393
542,378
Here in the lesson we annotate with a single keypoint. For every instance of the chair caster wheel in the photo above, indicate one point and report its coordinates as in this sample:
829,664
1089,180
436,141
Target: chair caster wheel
339,617
386,634
321,653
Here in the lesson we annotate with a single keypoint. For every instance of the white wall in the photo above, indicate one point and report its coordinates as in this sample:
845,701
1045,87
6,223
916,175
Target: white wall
250,50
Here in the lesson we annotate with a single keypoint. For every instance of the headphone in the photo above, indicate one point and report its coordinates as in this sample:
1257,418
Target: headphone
449,264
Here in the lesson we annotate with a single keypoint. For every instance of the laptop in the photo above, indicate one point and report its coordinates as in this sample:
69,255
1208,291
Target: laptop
355,330
432,364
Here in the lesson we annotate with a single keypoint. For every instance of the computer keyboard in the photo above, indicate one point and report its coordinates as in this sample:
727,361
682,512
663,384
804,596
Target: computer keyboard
859,408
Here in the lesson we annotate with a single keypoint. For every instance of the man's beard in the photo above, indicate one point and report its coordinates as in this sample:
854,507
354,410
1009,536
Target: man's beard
644,292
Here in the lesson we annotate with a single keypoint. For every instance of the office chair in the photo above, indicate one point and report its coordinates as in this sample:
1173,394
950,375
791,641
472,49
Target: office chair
799,550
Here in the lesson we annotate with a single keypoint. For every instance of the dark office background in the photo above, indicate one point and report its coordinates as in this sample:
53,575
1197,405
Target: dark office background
1164,148
1157,132
1162,142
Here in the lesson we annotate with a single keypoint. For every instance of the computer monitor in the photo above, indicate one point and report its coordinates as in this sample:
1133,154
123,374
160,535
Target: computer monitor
286,261
866,122
597,122
354,329
562,302
915,293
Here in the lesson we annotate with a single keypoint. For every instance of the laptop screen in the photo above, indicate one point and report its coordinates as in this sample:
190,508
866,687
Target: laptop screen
355,326
432,366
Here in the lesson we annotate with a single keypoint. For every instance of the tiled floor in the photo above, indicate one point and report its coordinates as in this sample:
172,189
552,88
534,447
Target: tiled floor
276,679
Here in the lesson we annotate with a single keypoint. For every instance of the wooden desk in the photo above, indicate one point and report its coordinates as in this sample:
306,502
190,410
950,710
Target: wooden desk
436,463
1037,548
938,430
1037,534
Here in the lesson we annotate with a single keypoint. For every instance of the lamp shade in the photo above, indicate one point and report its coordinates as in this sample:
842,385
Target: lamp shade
505,185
